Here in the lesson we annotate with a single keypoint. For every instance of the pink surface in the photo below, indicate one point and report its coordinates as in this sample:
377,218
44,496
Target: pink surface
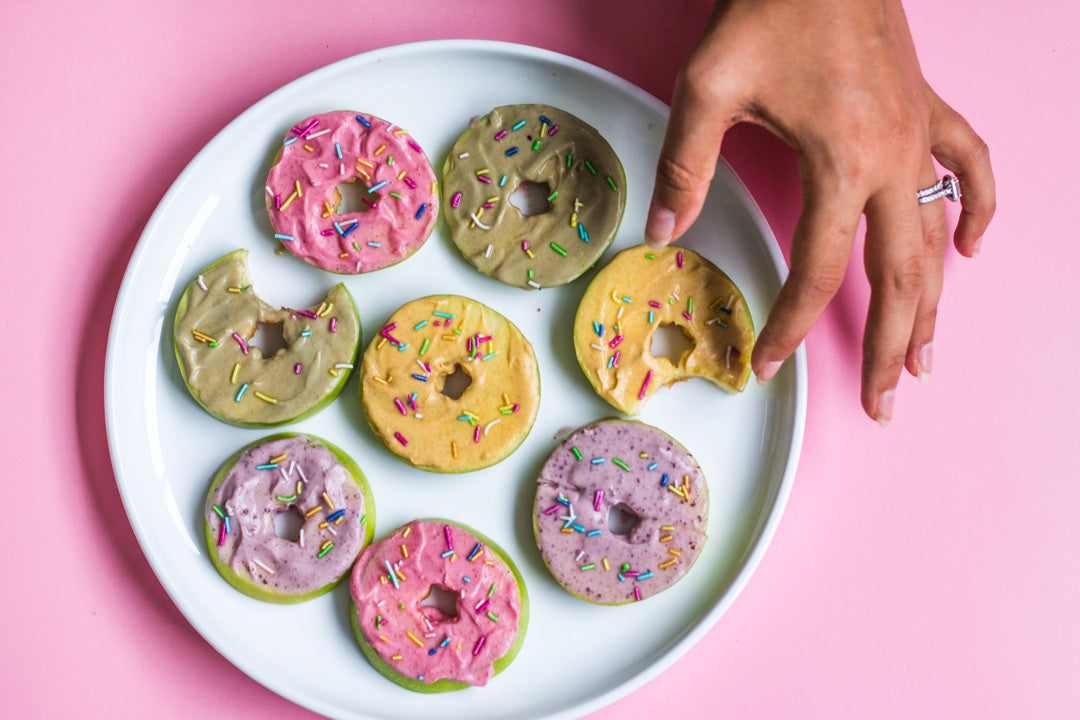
928,570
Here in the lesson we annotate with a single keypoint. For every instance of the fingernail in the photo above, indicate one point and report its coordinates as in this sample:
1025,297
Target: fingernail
768,370
659,227
977,249
885,407
926,362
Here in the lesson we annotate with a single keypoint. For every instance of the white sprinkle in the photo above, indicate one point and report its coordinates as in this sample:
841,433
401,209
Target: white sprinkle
346,366
324,165
357,266
488,426
421,364
341,169
331,529
419,416
202,284
292,467
269,191
618,316
675,295
729,301
580,555
315,135
263,565
302,475
534,284
228,509
282,471
301,537
477,221
727,358
462,156
429,635
594,345
487,253
380,603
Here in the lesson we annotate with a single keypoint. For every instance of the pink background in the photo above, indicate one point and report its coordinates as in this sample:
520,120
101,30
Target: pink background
929,570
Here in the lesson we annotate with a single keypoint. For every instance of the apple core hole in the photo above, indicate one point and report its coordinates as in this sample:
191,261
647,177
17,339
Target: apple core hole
442,599
670,342
269,337
455,384
353,195
288,523
622,520
531,198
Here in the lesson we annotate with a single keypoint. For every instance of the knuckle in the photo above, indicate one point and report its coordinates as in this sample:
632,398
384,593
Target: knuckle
675,175
905,279
820,284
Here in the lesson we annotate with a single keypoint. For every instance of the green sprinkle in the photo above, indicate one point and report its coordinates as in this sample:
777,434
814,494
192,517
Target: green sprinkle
530,273
363,518
577,453
423,348
286,498
625,567
650,256
493,616
389,159
213,343
536,145
569,160
491,590
590,566
326,549
690,305
218,510
621,464
591,168
612,184
558,249
395,195
356,246
553,195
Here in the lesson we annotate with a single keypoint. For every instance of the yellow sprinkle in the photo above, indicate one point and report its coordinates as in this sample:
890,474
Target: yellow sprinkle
434,187
478,554
675,552
493,199
606,564
265,398
235,373
573,219
666,538
343,255
363,174
453,558
400,132
449,337
384,638
313,510
401,575
378,379
323,525
379,150
408,531
327,310
643,455
674,489
382,579
667,563
404,550
308,148
530,253
506,399
395,657
299,487
379,345
483,171
233,289
567,530
325,544
329,502
299,192
669,528
333,372
402,174
339,519
279,458
287,202
329,209
364,162
453,448
322,307
543,129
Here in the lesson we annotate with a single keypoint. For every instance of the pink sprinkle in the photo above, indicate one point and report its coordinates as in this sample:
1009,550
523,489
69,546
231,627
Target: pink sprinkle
484,179
631,573
678,258
500,135
551,509
410,183
243,345
401,439
449,540
411,403
327,232
388,328
488,206
298,368
736,353
597,500
645,385
615,341
414,146
400,406
456,200
221,535
483,606
333,324
637,593
653,303
615,359
480,644
277,202
483,339
307,314
308,128
687,315
476,434
516,408
370,204
554,129
524,244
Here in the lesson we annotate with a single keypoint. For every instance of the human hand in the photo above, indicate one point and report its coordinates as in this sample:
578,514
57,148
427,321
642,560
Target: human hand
839,81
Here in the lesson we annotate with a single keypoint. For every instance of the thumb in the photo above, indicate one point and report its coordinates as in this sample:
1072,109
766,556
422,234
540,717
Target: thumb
696,127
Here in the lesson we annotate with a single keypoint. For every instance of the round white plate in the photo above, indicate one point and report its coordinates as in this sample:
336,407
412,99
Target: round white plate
577,657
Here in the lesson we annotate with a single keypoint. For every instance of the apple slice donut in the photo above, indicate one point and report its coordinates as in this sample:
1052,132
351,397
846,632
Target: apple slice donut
437,606
642,290
306,477
449,385
233,379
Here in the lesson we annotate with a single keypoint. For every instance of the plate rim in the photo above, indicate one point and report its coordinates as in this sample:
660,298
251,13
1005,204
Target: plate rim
765,534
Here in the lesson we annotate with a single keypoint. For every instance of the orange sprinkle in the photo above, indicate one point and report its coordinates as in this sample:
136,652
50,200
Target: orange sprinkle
667,563
666,538
329,502
364,162
379,150
278,458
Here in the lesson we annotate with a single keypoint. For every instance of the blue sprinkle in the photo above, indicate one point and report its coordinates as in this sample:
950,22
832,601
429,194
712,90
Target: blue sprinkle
594,533
421,378
227,524
438,313
466,579
448,553
419,325
645,576
363,122
402,346
421,211
597,460
291,140
351,228
305,333
545,120
502,181
488,356
653,466
337,226
337,147
621,578
511,151
393,576
376,186
599,328
577,527
663,480
445,642
562,501
432,651
266,466
335,516
520,124
287,238
475,550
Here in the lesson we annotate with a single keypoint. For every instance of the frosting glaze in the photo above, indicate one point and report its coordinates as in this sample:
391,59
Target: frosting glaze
518,144
391,584
395,215
641,290
648,483
216,319
280,474
404,373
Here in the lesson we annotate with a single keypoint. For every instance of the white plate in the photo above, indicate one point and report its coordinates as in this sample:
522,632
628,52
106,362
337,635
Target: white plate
165,447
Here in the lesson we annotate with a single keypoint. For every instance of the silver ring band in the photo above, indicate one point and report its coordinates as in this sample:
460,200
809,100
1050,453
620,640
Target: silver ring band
947,187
